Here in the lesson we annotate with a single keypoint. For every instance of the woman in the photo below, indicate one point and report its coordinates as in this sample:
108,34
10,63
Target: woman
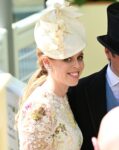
45,120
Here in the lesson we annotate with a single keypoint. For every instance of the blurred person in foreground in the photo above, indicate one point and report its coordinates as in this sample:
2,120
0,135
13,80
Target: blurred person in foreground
45,120
108,136
98,93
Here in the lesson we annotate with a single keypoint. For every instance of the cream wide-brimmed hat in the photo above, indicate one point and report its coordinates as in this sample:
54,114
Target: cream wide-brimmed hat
59,34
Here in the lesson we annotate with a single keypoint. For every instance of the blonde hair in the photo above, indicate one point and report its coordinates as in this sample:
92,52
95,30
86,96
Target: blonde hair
38,77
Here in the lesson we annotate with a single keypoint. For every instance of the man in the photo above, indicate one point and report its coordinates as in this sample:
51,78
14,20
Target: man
96,94
108,136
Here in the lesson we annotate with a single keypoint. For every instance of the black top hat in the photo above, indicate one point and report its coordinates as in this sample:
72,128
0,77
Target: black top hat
111,40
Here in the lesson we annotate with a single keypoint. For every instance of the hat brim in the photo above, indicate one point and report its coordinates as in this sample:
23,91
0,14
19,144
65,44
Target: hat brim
105,42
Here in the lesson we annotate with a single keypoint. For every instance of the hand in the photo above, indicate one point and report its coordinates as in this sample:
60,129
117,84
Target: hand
95,143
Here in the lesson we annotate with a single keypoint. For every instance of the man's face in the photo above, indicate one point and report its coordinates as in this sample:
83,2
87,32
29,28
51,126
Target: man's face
115,64
114,61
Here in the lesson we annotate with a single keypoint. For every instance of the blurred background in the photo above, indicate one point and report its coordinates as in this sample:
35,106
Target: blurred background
18,53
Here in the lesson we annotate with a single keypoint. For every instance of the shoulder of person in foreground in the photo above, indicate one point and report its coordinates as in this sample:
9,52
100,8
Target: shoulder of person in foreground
108,136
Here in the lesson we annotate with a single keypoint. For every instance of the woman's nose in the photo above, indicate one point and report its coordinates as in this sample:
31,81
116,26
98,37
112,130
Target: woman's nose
76,64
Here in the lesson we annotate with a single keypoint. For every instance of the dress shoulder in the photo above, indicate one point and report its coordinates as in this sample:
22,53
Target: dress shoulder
35,124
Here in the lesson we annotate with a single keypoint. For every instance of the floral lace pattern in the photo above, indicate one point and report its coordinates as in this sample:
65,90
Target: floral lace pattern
47,123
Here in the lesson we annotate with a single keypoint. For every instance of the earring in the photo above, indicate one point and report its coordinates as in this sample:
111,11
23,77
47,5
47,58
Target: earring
48,67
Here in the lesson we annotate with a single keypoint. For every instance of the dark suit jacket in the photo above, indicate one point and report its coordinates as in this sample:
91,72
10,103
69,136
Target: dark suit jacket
88,103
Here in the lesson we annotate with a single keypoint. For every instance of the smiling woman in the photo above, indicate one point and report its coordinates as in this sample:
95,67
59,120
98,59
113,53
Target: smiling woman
45,120
72,68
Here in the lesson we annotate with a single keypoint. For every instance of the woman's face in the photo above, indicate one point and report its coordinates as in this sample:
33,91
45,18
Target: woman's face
67,71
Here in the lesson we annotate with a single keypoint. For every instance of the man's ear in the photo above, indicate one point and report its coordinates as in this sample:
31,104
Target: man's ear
95,143
108,53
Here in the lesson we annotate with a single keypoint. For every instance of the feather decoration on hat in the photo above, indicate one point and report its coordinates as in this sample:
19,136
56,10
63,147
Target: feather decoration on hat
52,2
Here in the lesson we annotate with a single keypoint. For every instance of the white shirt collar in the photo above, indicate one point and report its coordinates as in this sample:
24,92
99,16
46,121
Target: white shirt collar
112,78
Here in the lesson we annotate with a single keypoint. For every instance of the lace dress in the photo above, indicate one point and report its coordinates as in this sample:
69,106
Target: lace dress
47,123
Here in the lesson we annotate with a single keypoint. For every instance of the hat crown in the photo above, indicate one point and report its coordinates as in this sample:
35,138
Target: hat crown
111,39
59,33
113,21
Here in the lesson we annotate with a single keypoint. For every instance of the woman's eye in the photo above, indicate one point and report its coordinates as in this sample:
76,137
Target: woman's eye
68,59
71,59
80,58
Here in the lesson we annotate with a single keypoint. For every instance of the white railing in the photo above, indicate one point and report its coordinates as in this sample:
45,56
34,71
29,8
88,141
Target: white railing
11,89
3,50
24,47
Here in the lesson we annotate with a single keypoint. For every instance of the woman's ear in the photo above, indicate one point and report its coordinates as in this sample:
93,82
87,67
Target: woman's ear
46,62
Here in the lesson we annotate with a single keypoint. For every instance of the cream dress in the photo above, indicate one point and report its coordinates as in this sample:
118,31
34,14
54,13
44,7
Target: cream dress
47,123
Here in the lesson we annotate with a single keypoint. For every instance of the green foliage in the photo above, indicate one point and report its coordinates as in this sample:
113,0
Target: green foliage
79,2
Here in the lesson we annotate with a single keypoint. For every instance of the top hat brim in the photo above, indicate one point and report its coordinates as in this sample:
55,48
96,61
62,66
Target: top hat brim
104,40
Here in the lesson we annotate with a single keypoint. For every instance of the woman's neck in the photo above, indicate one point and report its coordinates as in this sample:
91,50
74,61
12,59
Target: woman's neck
57,87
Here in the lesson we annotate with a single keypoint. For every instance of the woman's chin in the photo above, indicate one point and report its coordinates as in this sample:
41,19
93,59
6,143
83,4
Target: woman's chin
74,83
